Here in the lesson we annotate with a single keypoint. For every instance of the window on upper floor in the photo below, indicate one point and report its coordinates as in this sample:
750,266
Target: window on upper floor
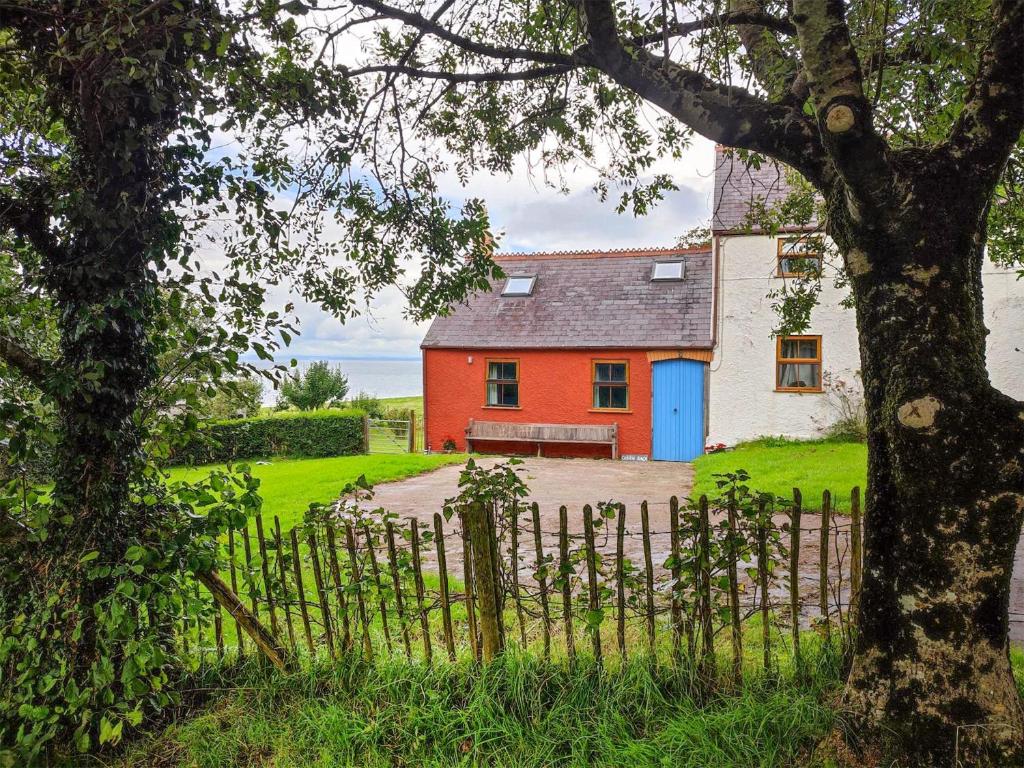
519,285
611,384
799,256
798,364
503,383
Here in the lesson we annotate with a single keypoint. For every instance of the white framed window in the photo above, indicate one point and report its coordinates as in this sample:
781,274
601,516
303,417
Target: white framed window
668,270
519,285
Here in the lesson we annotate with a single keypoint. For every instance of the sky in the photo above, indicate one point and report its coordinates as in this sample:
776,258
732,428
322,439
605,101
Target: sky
527,217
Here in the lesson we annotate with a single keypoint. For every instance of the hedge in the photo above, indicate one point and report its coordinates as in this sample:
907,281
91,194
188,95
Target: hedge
311,435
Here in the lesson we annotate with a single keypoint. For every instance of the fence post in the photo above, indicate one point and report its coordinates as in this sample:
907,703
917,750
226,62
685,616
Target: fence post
253,588
676,570
470,590
442,573
321,593
762,580
594,602
265,567
300,590
565,573
826,521
541,579
332,555
218,629
234,588
376,580
794,572
357,580
483,572
855,554
645,525
704,555
412,431
734,590
396,579
284,583
620,576
515,574
366,433
428,649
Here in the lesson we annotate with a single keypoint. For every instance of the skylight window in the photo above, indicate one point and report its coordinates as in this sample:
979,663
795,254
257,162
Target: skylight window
668,270
519,285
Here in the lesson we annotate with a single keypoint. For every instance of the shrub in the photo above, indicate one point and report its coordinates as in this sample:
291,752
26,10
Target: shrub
312,435
367,403
316,387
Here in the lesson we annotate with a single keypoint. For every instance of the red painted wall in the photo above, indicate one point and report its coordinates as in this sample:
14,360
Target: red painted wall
555,387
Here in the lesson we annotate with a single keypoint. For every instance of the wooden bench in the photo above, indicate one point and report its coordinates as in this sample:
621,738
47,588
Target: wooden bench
600,434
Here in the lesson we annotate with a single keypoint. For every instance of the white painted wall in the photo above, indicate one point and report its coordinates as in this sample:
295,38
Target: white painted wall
742,401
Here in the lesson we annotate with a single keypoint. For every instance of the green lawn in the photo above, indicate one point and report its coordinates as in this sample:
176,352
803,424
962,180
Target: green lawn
777,466
406,404
288,486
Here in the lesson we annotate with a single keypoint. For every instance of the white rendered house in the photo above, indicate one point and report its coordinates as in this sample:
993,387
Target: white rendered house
764,386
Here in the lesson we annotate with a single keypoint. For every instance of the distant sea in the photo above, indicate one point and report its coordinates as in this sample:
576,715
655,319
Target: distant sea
380,378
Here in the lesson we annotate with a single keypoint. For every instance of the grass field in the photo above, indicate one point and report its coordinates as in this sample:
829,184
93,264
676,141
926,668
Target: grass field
289,486
777,466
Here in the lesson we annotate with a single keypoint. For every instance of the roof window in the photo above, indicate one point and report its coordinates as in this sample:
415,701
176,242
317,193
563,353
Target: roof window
519,285
668,270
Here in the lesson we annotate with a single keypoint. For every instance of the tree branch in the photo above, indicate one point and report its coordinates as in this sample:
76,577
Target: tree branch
30,219
35,369
783,26
774,69
432,27
533,73
993,116
844,113
727,114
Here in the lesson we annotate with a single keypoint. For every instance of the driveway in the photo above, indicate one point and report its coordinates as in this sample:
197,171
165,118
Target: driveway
553,483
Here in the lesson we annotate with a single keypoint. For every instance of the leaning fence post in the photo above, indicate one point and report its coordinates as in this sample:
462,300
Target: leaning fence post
826,517
762,580
541,579
855,554
794,572
442,573
645,525
428,650
396,579
620,576
332,556
565,571
300,591
734,589
483,572
704,555
676,570
594,602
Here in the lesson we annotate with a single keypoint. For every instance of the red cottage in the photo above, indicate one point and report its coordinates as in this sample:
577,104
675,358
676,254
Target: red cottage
601,354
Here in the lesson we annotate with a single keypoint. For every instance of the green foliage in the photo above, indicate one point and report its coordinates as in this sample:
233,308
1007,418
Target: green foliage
319,434
367,403
235,398
316,387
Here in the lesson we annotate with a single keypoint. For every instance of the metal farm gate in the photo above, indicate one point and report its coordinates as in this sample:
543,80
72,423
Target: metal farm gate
390,435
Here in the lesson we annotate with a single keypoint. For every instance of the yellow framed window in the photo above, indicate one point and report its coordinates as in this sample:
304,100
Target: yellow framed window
503,383
799,256
798,364
611,384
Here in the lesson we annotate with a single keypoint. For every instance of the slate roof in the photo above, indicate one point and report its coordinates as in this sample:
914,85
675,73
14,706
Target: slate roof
600,299
737,188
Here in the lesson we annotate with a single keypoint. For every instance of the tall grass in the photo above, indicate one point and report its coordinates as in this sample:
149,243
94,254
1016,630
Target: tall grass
519,711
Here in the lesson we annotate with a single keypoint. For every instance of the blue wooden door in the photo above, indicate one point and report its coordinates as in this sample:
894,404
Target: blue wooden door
678,418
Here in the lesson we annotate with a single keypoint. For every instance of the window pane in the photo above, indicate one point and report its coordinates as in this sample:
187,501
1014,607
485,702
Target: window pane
610,397
518,286
799,375
615,372
501,371
618,397
509,394
667,270
799,348
492,394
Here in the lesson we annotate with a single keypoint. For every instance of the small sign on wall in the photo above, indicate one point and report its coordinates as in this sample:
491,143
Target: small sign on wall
634,457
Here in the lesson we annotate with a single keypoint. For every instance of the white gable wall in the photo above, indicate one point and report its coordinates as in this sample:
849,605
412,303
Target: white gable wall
742,401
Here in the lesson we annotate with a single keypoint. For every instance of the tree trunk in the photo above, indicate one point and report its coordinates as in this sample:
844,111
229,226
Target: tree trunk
931,682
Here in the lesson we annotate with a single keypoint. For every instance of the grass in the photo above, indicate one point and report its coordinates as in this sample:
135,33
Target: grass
519,711
777,466
405,404
289,486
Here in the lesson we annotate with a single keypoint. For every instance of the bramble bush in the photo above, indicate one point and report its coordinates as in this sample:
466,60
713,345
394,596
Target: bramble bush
309,435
